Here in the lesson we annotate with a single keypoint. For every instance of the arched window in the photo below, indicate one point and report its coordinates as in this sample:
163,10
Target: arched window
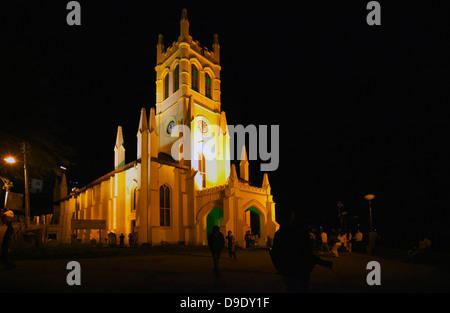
208,85
134,199
166,86
202,168
164,205
194,77
176,78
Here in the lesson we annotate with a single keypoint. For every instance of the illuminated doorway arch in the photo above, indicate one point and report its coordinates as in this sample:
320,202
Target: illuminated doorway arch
214,218
255,221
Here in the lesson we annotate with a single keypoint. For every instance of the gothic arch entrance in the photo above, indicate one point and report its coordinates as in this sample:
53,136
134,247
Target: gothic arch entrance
255,221
214,218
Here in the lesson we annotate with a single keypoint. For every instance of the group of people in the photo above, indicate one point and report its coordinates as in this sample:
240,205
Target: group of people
335,241
251,240
216,243
422,249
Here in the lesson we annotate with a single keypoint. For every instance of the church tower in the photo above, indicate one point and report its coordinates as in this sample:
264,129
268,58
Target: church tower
188,93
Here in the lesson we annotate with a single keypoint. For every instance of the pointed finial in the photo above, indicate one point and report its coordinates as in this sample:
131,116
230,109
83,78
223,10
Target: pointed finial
152,120
119,150
184,27
143,125
243,165
216,48
244,155
119,138
233,174
265,183
184,14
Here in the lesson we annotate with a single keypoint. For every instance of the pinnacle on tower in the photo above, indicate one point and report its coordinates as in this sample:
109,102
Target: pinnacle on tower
243,165
216,47
143,130
119,150
184,14
265,183
119,137
159,49
184,26
143,125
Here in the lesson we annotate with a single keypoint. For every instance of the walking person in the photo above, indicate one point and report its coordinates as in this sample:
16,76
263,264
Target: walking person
130,239
348,238
324,238
231,244
122,242
358,239
216,243
343,240
335,244
248,239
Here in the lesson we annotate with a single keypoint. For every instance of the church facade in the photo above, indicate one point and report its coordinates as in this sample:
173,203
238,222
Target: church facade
182,183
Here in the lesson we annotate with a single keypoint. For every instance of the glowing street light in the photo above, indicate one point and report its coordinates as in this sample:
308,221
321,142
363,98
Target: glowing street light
10,160
370,198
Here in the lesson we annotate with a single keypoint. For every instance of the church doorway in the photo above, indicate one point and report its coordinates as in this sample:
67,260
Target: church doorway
255,221
214,218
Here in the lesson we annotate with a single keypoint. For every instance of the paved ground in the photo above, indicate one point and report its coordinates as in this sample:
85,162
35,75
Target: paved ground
191,272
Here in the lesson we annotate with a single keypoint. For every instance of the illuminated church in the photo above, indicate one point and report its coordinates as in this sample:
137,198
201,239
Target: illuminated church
161,198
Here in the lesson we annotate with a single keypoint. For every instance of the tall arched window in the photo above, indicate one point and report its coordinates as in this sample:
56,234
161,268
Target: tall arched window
134,199
202,168
194,77
166,86
208,85
164,205
176,78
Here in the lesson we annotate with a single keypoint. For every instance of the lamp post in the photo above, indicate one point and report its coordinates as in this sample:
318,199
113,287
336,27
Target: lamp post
370,198
11,160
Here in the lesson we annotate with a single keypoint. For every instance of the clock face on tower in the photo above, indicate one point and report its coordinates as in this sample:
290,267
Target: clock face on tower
202,126
170,127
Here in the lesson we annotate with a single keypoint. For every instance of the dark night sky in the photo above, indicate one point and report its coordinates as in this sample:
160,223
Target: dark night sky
361,109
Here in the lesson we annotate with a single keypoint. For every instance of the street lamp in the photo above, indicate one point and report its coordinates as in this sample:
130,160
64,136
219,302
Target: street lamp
370,198
10,160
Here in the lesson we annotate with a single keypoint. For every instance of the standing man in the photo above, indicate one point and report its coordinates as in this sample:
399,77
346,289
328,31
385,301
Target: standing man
6,244
358,241
231,243
324,238
216,242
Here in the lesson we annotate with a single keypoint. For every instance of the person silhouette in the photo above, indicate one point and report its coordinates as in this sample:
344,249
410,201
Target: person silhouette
216,242
292,256
7,239
231,244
